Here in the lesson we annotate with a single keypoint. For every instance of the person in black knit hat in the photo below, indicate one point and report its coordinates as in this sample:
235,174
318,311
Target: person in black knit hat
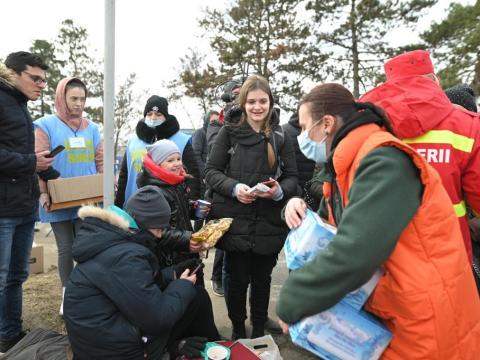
157,124
156,104
462,95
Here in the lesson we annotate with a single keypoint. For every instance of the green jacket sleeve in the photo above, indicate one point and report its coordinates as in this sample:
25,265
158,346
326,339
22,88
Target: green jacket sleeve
383,198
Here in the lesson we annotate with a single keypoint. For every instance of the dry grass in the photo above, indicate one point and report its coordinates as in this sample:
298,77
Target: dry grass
42,294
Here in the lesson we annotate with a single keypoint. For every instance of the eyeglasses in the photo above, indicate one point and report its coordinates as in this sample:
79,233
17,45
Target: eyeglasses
36,79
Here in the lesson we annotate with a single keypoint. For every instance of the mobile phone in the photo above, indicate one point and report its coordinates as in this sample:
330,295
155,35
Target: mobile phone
199,266
269,182
55,151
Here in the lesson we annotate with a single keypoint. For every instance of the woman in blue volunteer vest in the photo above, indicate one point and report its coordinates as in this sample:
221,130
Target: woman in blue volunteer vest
83,155
157,124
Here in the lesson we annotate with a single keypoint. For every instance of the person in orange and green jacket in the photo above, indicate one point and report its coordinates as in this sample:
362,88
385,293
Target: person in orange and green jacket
446,136
391,211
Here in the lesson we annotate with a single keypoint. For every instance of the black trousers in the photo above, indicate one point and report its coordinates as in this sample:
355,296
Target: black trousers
197,321
247,268
217,265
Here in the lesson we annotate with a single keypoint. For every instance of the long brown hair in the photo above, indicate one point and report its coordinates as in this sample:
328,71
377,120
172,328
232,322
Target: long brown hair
335,99
256,82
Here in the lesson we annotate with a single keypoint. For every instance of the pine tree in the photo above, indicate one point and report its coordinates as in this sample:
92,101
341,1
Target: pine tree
197,80
353,32
455,43
47,51
263,37
126,113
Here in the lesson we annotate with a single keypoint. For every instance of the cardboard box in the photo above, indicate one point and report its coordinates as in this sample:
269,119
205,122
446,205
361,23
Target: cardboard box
36,260
75,191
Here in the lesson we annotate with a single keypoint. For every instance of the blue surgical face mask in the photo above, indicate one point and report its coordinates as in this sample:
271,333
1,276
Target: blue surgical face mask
313,150
154,122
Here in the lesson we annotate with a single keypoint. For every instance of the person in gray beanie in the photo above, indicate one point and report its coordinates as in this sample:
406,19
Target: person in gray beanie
163,168
161,150
462,95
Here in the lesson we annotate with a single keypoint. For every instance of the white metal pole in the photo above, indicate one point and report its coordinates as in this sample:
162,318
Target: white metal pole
108,103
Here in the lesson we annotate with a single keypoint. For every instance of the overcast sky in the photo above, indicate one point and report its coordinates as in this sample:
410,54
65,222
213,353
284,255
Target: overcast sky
151,35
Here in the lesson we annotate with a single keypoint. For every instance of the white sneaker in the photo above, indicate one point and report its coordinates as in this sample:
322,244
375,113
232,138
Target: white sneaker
61,305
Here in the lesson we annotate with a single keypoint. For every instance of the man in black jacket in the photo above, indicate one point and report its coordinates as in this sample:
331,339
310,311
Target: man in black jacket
118,303
21,79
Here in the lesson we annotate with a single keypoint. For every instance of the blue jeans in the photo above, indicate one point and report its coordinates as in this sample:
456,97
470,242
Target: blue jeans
16,237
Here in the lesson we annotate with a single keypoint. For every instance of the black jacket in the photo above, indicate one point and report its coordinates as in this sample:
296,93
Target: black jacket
239,156
113,297
18,179
150,135
212,132
305,166
177,237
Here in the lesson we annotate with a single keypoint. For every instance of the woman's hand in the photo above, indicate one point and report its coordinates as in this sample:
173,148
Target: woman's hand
45,201
274,188
295,212
283,326
195,246
244,196
185,276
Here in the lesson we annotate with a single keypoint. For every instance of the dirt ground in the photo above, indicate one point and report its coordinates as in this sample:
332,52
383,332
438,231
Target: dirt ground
41,301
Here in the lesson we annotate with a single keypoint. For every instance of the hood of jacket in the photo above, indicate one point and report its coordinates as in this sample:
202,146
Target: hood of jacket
294,121
102,229
6,78
162,131
7,83
206,119
61,108
414,105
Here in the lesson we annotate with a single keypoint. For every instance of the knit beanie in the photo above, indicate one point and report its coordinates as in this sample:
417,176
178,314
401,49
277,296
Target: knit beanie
158,104
149,208
411,63
462,95
160,150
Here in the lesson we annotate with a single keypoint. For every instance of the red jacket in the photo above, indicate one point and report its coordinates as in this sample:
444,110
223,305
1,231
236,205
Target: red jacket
446,136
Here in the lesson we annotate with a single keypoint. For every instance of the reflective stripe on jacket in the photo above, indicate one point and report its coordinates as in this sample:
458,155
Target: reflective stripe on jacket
427,297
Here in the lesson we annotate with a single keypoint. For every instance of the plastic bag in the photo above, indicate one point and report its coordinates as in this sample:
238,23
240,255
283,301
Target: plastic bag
308,240
210,233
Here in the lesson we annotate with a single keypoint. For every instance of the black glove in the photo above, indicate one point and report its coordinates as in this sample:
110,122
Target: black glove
191,346
187,264
232,113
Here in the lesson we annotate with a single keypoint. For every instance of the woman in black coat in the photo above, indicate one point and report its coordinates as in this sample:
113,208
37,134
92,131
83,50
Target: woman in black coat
244,154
